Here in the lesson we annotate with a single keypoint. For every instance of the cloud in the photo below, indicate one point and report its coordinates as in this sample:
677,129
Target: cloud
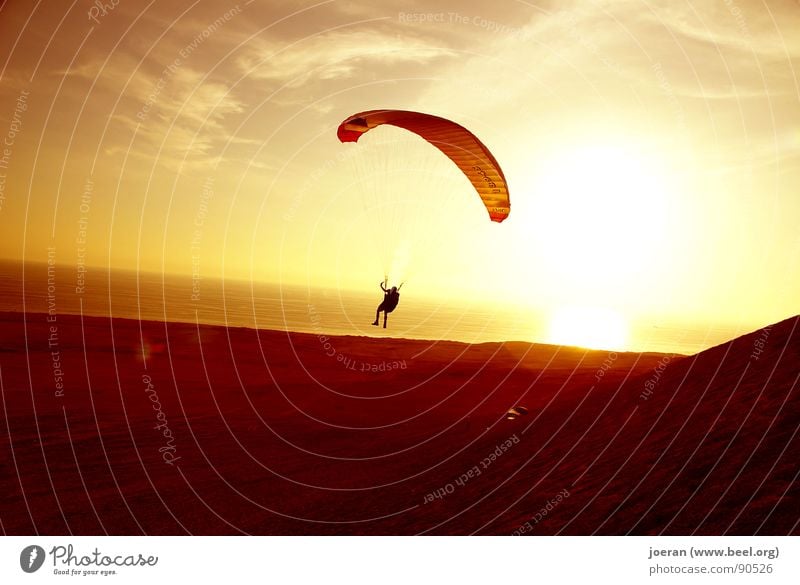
175,110
334,55
730,26
611,50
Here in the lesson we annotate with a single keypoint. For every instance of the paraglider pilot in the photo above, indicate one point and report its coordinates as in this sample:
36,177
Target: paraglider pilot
391,296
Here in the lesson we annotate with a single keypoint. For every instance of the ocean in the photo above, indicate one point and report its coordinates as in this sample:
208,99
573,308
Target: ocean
33,287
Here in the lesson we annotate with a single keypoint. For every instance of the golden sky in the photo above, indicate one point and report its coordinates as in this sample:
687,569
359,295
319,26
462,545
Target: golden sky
652,149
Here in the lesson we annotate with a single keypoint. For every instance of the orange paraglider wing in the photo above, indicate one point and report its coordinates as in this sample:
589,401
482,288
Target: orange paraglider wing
456,142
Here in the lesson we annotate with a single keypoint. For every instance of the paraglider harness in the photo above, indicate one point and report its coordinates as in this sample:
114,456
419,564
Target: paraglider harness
390,297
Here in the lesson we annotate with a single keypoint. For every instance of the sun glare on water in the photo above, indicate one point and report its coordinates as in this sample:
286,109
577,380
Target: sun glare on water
593,328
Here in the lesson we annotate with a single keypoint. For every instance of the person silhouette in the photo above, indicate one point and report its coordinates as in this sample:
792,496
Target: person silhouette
391,296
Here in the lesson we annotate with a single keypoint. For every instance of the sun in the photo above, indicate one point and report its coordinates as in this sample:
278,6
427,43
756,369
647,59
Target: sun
590,327
602,213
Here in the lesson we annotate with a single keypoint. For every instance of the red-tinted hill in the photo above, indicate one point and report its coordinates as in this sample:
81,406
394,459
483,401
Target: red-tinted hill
209,430
711,448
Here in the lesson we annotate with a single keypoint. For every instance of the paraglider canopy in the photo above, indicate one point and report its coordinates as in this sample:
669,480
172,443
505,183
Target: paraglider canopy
456,142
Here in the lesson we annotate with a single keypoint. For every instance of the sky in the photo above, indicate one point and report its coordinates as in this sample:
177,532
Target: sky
652,149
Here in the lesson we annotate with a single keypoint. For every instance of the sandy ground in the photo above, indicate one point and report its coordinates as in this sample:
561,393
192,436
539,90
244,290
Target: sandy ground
211,430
